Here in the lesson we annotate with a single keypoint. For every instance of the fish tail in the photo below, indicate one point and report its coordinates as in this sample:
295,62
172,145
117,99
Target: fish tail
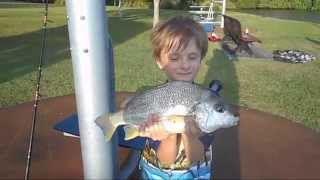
130,132
109,123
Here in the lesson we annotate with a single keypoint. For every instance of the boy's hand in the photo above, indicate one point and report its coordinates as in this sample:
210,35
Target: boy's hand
153,128
192,128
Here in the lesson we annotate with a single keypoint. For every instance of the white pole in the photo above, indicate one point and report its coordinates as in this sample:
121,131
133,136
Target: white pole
94,84
223,12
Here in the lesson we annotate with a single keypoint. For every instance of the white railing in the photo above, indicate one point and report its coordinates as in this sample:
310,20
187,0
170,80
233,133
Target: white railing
201,11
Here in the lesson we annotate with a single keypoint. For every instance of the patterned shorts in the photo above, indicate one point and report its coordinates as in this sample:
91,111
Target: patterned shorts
149,171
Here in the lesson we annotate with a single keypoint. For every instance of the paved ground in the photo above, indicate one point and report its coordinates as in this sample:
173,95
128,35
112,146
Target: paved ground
262,146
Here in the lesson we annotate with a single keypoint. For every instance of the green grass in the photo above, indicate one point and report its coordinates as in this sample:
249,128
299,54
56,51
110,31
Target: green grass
288,90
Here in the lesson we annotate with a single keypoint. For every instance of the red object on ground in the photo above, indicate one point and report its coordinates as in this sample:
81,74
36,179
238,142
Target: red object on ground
263,146
214,38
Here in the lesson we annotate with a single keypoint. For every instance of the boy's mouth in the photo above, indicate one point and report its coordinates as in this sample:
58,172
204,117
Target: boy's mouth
184,73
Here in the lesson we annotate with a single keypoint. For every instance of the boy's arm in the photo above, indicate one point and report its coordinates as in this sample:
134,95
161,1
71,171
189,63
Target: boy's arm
193,146
169,146
168,150
154,129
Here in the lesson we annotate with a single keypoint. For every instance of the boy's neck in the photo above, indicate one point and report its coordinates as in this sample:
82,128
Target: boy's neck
168,80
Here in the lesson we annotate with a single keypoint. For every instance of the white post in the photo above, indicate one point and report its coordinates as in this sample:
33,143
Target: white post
94,84
223,12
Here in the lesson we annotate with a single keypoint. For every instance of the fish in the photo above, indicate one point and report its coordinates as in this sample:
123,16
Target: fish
173,101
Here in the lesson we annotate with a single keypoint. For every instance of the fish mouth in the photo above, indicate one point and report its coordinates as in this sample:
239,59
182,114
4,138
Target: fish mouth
234,110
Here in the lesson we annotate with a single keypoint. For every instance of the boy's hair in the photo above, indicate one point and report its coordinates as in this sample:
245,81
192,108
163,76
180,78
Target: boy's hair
177,32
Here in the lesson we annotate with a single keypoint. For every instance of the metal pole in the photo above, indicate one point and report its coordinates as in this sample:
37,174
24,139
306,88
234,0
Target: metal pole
224,6
94,84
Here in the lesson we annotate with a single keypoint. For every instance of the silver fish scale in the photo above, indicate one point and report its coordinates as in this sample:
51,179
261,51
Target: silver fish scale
159,100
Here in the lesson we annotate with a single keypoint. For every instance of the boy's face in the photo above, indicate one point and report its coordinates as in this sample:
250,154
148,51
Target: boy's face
181,64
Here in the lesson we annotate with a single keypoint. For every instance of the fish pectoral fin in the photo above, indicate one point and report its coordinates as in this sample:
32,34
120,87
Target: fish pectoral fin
174,123
130,132
176,118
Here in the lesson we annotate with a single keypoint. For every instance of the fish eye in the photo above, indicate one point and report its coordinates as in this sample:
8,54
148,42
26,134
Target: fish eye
219,107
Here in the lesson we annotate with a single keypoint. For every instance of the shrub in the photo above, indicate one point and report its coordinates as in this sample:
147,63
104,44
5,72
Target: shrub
60,2
138,3
274,4
39,1
174,4
247,4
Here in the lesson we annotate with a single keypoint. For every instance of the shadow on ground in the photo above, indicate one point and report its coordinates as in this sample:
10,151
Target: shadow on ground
316,42
20,54
134,19
226,145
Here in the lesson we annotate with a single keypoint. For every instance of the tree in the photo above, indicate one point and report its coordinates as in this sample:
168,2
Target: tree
156,12
120,4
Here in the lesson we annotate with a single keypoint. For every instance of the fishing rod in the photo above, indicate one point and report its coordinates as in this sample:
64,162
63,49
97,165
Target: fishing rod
37,92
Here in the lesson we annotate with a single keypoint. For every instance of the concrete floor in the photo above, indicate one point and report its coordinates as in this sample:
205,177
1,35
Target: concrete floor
263,145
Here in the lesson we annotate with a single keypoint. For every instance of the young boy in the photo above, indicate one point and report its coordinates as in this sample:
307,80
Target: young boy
179,45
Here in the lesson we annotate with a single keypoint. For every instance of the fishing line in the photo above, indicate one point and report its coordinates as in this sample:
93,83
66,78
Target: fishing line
37,92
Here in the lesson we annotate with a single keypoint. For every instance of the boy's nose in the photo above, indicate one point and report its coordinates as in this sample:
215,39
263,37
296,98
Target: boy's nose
184,64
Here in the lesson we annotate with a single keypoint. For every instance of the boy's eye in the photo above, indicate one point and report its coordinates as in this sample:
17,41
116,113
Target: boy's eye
173,58
193,57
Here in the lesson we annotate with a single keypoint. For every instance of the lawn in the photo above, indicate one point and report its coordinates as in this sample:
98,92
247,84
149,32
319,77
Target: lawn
288,90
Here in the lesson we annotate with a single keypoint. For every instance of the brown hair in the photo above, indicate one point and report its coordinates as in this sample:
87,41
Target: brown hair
177,32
